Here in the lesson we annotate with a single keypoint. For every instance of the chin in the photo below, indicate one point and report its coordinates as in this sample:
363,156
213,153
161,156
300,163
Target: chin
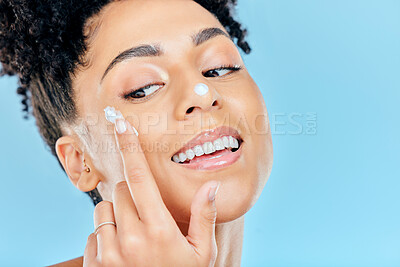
242,181
239,191
235,198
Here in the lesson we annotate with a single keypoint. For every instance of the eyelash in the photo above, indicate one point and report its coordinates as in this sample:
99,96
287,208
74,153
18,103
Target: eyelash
232,68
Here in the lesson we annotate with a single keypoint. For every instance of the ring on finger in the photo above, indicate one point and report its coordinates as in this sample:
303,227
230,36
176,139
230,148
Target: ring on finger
100,225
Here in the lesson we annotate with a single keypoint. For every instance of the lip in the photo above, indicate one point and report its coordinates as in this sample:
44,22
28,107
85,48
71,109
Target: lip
209,136
221,159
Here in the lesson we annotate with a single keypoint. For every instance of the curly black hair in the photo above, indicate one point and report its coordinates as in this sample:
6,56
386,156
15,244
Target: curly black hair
44,42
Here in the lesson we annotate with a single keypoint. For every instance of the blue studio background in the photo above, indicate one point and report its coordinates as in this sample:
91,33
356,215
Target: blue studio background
330,74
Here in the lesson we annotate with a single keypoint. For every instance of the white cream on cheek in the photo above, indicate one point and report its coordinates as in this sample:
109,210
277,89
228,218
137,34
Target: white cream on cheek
112,115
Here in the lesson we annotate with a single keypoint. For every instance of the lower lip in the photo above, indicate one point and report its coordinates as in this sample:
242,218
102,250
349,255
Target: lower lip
214,161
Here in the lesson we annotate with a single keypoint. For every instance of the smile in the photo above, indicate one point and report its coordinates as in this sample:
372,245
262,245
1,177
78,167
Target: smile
210,150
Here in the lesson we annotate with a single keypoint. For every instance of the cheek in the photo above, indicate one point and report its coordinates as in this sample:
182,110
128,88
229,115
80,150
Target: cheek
255,124
248,103
258,116
109,159
177,190
157,154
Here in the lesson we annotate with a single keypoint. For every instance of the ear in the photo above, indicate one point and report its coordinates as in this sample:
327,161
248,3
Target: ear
71,157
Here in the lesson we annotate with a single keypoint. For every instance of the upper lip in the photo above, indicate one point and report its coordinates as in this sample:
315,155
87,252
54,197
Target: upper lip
210,136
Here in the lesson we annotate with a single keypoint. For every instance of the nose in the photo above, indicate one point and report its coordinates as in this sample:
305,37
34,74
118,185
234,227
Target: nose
195,98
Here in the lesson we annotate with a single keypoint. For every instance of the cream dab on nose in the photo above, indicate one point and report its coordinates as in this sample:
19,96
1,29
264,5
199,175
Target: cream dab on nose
201,89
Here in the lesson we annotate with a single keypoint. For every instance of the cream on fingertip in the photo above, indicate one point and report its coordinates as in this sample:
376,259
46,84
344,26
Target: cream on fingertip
115,117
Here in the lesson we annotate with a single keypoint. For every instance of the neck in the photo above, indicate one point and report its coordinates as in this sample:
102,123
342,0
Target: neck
229,237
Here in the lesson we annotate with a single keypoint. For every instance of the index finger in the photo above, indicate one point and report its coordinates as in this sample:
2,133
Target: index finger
140,180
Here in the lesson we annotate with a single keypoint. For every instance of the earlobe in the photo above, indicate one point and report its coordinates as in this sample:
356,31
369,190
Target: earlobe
77,167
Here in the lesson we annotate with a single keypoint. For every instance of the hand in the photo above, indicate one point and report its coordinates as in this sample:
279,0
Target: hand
146,233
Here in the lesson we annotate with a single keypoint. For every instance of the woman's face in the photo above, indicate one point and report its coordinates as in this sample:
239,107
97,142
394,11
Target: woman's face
168,113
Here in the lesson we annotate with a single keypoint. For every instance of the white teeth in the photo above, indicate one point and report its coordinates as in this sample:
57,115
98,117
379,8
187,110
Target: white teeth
235,143
190,154
211,147
225,141
175,158
218,144
182,157
231,142
198,151
207,148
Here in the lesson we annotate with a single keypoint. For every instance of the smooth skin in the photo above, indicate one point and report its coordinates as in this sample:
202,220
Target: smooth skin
146,233
169,118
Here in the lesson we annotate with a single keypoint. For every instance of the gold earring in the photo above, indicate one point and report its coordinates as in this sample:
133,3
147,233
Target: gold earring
84,165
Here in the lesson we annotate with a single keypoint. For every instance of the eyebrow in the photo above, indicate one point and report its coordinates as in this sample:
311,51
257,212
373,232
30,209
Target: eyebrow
154,50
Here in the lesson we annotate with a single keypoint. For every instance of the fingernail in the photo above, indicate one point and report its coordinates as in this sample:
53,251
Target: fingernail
134,129
120,125
213,192
115,116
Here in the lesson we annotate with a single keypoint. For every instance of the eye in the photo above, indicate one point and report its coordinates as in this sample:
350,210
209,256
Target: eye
221,71
144,91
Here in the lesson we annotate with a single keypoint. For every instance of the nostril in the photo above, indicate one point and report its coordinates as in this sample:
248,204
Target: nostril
189,110
215,103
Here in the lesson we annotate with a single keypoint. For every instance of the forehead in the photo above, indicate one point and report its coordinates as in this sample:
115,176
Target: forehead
169,23
139,15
